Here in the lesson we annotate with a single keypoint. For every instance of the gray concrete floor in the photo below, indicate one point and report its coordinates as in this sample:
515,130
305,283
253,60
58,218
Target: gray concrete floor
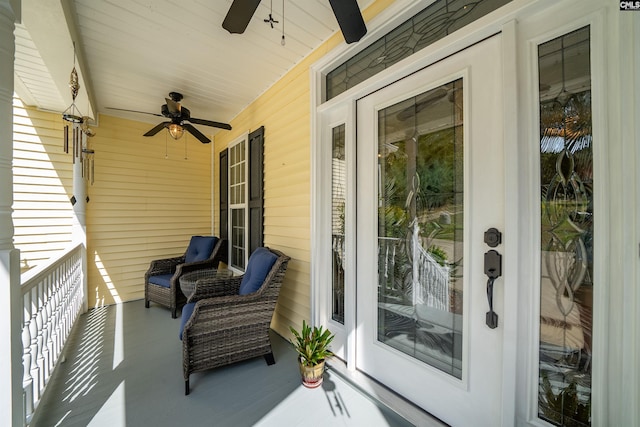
123,367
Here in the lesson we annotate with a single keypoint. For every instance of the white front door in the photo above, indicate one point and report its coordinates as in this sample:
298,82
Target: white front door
430,182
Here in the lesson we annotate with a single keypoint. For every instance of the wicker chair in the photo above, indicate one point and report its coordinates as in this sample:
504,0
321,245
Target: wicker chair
161,281
228,320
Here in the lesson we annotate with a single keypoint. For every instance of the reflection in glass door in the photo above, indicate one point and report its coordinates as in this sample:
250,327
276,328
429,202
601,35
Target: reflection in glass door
420,227
338,204
566,169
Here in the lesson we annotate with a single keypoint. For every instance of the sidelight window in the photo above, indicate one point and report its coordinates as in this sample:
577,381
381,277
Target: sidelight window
566,229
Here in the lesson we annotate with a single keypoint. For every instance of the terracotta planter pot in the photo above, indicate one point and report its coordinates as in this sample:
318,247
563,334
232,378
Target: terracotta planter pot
312,375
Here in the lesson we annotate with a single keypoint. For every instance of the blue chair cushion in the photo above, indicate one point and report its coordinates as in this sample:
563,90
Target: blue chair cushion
187,311
260,263
161,280
200,248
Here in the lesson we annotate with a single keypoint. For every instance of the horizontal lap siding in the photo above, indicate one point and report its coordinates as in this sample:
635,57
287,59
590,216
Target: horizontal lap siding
42,186
143,206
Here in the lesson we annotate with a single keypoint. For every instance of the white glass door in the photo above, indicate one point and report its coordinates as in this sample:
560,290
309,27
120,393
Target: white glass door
430,182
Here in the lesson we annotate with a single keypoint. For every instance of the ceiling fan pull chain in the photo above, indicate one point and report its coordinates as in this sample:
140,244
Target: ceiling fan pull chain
166,145
270,19
282,42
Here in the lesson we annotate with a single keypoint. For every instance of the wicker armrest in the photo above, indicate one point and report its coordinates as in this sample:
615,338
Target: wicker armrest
227,311
164,266
187,267
214,288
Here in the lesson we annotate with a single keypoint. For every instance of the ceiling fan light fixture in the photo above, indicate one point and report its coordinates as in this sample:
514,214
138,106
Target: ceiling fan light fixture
176,131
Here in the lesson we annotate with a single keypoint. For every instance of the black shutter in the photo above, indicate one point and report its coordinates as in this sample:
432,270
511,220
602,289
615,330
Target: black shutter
256,189
224,194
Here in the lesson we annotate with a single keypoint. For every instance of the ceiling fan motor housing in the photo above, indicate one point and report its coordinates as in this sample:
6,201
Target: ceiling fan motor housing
175,96
182,114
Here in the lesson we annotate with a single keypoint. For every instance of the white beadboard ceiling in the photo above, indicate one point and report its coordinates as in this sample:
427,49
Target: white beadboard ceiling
132,53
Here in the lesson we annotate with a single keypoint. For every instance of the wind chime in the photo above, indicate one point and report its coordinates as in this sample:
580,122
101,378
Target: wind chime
80,131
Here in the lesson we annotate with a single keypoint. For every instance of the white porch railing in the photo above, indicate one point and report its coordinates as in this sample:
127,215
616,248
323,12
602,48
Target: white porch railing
429,280
53,297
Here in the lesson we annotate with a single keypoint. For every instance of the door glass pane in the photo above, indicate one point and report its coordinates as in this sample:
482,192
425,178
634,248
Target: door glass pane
566,173
439,19
420,227
338,197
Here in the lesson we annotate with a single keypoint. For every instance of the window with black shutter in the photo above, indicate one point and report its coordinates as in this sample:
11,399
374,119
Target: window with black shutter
242,197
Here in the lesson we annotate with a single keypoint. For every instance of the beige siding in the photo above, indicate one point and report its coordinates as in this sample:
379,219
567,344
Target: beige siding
143,206
42,183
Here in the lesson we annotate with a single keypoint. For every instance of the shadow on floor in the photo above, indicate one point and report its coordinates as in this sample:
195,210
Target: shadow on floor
123,367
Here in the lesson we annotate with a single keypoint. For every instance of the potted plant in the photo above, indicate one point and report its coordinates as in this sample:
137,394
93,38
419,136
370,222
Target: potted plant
312,345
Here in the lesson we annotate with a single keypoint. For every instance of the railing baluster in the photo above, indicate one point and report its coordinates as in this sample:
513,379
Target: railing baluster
33,332
40,321
46,334
27,379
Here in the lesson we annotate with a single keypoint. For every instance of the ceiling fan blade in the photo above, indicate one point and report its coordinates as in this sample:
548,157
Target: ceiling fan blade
210,123
157,128
239,15
173,106
195,132
350,19
133,111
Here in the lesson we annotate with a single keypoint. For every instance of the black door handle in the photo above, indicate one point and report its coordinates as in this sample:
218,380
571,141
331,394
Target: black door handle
493,270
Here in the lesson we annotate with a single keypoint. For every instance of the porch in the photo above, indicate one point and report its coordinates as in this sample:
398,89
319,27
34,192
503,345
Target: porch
122,366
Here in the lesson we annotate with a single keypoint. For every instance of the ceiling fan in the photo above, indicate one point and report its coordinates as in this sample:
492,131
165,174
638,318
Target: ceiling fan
346,12
180,120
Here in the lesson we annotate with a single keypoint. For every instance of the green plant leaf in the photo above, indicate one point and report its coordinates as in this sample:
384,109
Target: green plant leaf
312,344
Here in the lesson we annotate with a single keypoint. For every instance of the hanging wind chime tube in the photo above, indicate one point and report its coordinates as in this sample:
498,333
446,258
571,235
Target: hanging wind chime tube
66,139
74,144
87,152
80,131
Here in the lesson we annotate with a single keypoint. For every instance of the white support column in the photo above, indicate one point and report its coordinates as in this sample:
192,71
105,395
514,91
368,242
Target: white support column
11,399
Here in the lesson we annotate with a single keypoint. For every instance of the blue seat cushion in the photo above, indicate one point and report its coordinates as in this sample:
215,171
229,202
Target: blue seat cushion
260,263
187,311
161,280
200,248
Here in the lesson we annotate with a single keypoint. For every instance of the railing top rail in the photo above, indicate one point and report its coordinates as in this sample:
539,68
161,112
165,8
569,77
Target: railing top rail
30,278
